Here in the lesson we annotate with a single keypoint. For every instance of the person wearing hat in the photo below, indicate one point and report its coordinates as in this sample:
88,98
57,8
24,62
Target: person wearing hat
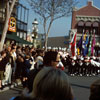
73,66
96,66
89,67
80,62
69,65
81,66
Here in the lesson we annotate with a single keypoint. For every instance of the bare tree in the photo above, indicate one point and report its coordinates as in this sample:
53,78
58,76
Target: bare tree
50,10
9,9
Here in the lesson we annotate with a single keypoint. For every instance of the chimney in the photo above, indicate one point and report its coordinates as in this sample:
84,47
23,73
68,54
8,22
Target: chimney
90,2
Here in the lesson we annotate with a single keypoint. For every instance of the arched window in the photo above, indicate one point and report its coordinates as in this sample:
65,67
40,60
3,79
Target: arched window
95,24
81,23
80,27
88,24
96,27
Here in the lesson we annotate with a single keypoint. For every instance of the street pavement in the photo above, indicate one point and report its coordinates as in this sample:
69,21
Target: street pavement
80,86
9,93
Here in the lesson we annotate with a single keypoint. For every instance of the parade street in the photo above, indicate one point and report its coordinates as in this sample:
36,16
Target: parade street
80,87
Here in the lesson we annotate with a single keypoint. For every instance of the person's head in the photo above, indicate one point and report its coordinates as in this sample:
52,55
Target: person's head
8,48
51,58
14,46
13,49
31,49
51,84
40,52
19,48
27,56
34,54
95,90
3,54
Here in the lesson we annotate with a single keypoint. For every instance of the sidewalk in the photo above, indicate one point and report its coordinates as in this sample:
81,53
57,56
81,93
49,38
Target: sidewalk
17,83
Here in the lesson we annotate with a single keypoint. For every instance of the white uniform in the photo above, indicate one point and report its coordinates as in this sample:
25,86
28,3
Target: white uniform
95,63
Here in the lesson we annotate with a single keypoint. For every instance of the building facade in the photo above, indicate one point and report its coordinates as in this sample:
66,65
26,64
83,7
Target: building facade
20,13
61,41
86,18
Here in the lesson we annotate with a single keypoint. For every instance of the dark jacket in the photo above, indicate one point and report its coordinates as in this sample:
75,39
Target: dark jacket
3,63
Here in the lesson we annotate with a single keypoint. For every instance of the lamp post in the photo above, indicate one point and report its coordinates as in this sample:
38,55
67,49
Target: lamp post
34,31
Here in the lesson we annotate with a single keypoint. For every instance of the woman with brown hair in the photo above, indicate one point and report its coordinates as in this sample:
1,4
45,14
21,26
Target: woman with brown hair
51,84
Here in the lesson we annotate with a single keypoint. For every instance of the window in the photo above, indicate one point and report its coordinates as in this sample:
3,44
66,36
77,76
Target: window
88,24
80,23
95,24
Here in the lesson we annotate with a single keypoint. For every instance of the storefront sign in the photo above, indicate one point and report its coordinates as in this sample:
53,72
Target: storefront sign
12,24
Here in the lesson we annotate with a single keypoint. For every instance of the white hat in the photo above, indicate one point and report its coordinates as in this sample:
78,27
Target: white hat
94,57
74,58
49,47
88,58
82,58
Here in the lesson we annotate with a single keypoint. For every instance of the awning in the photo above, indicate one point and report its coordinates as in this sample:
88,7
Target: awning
18,39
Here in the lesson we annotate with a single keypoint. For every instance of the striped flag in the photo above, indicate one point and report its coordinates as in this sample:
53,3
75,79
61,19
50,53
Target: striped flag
73,45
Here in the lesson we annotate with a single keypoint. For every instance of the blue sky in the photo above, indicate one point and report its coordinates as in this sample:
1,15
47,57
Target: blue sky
61,26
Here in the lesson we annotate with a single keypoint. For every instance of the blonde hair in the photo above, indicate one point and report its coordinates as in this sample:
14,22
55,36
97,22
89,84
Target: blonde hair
52,84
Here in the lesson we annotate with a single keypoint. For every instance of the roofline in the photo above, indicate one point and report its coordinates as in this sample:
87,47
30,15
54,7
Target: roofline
87,5
81,8
96,7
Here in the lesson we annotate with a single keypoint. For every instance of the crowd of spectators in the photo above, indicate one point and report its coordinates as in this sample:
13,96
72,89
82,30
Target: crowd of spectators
17,62
43,73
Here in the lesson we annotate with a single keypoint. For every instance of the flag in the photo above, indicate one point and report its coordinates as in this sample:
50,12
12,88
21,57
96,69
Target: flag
93,45
84,37
79,45
85,51
84,44
78,51
89,45
73,45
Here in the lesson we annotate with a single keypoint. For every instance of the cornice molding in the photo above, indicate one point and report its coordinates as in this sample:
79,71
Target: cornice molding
88,18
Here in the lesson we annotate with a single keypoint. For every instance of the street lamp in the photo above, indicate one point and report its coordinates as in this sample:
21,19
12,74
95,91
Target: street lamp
35,25
34,31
